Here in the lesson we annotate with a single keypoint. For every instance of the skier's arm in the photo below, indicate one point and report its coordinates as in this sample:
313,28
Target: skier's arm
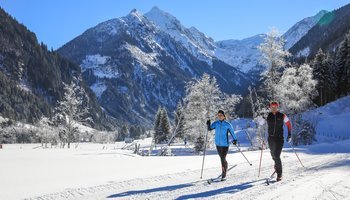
288,124
233,134
211,126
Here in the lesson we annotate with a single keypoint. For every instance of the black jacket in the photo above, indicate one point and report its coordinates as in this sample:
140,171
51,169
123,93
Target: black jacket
275,124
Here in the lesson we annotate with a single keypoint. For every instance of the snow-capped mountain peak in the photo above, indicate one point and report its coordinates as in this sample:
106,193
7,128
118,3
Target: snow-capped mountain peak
164,20
242,54
195,41
294,34
135,14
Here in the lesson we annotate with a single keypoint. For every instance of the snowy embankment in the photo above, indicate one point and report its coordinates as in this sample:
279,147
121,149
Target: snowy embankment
333,120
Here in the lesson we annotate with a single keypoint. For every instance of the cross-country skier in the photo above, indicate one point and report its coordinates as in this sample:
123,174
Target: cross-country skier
222,129
275,122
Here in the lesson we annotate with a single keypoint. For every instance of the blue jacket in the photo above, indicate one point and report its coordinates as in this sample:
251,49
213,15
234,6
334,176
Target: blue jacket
222,128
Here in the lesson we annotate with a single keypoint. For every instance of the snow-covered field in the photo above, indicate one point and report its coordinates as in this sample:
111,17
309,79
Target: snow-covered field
108,171
94,172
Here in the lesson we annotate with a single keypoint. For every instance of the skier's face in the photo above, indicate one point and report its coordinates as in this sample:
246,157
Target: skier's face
274,108
221,116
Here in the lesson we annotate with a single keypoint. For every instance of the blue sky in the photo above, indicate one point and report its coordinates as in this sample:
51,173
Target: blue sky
56,22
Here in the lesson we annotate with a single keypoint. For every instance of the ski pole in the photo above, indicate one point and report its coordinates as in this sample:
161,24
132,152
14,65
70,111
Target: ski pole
205,147
243,155
262,149
296,154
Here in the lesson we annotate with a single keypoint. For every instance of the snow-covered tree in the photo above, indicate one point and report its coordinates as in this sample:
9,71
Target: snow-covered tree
273,57
203,99
47,132
257,135
230,104
179,122
296,89
71,111
295,92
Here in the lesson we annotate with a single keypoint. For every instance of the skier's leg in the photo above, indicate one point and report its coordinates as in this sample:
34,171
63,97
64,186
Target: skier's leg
279,146
272,146
224,154
219,149
222,158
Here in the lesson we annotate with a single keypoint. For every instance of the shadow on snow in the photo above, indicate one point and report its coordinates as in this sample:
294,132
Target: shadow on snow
224,190
147,191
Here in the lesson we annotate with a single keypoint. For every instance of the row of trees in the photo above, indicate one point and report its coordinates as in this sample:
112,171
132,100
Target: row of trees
131,131
332,71
71,112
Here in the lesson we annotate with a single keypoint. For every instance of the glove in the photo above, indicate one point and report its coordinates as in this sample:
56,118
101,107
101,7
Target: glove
208,122
234,142
289,138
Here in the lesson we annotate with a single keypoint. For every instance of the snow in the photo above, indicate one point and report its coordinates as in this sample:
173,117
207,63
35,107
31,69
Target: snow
123,89
304,53
99,65
145,59
24,86
100,171
110,27
98,88
195,42
332,119
2,119
242,54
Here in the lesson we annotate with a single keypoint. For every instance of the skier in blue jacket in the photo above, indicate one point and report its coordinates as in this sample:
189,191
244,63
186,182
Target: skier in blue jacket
222,129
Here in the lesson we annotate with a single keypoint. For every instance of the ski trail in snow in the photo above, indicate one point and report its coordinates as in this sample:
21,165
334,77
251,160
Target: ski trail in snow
242,183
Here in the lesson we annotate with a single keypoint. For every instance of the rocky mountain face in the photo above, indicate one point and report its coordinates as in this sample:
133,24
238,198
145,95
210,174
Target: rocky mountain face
31,77
326,34
136,63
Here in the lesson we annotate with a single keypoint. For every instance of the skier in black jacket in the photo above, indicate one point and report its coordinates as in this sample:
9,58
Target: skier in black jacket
275,122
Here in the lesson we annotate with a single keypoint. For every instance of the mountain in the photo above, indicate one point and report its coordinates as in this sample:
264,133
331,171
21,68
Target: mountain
197,43
32,77
244,55
326,34
294,34
134,64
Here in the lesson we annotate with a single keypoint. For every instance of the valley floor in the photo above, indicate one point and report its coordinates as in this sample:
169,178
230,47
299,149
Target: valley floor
96,171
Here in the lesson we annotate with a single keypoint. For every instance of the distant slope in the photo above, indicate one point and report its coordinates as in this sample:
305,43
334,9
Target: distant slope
327,34
333,119
32,78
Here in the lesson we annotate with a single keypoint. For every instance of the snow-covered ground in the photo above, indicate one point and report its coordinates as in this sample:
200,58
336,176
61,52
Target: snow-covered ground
332,120
112,171
97,171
